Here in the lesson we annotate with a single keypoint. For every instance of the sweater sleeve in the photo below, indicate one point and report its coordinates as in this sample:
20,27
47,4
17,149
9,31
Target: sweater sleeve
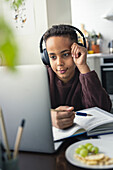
93,94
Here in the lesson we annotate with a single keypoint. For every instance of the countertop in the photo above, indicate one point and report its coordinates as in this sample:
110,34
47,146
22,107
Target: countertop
100,55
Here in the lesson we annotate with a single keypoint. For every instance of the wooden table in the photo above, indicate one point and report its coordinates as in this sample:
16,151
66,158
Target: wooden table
41,161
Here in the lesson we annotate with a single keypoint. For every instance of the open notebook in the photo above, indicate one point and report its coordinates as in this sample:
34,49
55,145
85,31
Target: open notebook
100,123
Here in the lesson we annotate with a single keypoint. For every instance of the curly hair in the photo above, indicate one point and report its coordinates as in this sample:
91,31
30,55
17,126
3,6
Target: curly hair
61,30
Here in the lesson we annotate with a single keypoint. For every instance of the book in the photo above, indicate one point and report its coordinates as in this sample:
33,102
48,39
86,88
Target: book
101,122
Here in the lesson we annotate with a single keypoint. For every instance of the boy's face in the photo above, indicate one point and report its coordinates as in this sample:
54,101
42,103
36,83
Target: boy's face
61,61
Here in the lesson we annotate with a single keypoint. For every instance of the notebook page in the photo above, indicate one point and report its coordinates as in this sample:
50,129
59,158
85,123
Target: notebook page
61,134
89,122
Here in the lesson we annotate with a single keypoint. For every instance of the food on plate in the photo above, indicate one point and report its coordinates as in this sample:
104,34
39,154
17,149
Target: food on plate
90,155
84,150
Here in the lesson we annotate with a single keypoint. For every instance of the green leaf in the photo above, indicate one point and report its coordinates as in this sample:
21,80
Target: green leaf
8,44
17,3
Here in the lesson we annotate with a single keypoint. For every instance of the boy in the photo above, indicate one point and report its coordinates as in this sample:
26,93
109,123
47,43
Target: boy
73,86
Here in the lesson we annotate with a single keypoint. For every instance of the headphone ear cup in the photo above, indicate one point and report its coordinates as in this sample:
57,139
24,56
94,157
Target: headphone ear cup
45,57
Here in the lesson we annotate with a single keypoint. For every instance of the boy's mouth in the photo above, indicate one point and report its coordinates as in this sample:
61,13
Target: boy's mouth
61,71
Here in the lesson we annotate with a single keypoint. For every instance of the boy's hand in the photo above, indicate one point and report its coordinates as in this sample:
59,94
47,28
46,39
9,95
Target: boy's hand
62,119
79,55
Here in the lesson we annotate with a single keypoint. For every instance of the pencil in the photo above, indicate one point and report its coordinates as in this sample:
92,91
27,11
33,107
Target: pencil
4,135
18,138
76,113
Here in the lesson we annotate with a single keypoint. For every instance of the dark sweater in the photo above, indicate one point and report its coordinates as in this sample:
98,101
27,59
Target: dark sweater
82,91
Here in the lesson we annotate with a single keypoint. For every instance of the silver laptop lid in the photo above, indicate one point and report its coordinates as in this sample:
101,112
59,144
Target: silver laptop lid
25,94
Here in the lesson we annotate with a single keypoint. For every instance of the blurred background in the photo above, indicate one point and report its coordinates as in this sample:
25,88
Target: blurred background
34,17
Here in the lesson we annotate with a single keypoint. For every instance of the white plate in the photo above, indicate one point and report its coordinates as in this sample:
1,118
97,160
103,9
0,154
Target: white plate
105,147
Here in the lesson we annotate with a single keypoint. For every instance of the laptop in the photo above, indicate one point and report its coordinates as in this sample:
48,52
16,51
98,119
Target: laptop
24,94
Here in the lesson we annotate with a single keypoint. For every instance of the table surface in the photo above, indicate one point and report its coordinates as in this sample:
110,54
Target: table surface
41,161
55,161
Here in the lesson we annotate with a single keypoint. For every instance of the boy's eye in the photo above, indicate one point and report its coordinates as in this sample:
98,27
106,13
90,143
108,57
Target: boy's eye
66,54
53,57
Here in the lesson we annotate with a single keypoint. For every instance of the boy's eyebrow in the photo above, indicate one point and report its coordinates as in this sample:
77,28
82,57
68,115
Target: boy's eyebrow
60,52
51,53
64,51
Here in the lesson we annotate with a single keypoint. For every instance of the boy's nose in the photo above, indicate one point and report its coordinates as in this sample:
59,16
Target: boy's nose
59,61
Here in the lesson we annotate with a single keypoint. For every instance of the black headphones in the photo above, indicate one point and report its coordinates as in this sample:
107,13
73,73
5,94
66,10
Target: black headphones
43,52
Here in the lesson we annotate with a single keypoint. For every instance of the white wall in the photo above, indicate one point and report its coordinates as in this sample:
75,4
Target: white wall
46,13
59,12
90,12
29,44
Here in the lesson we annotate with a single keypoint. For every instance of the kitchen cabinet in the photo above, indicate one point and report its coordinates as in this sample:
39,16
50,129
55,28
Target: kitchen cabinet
94,61
103,65
94,64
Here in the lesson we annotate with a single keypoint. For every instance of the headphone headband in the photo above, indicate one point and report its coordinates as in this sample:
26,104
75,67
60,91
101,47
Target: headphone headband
76,29
43,52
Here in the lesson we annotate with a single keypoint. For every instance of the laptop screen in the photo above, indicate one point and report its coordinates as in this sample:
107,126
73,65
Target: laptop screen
24,94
